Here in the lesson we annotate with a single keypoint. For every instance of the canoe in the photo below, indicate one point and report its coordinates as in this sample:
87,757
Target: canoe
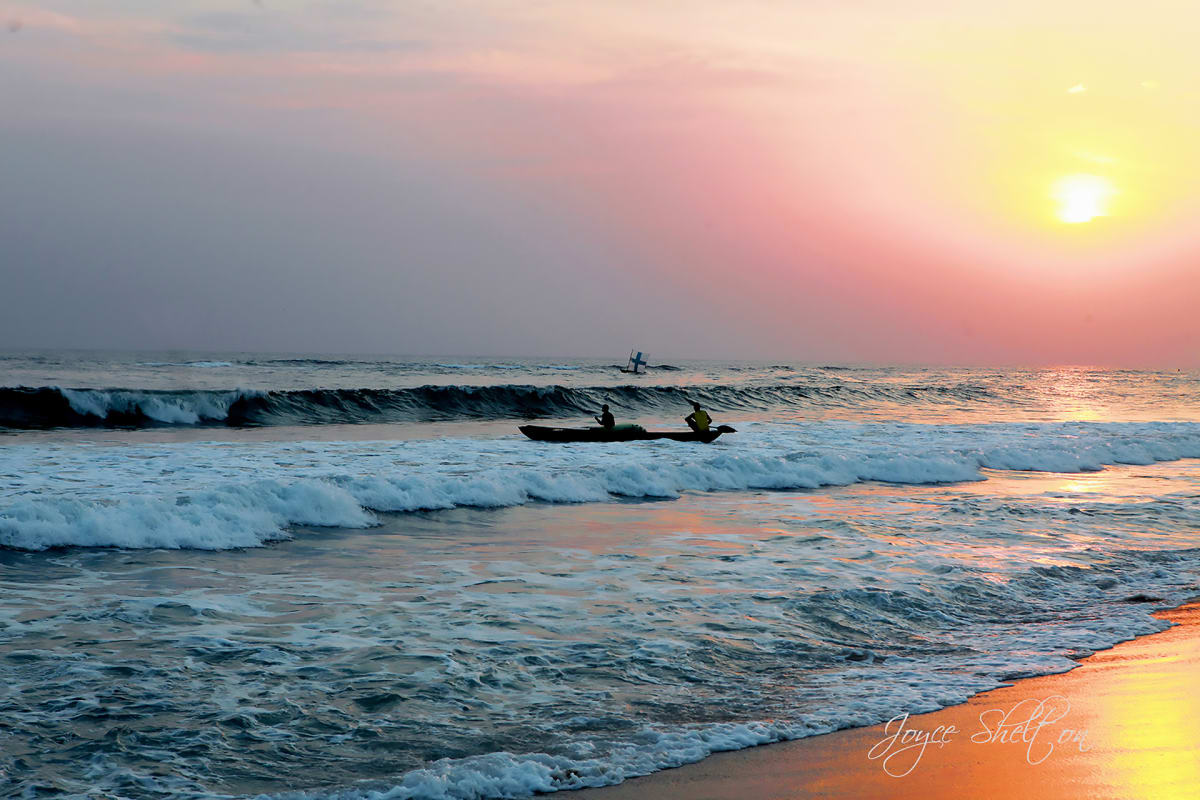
622,433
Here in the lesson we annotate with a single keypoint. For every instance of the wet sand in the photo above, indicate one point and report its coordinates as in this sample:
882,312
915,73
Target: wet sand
1125,724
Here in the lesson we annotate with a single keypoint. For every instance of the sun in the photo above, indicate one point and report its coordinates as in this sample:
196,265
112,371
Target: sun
1082,198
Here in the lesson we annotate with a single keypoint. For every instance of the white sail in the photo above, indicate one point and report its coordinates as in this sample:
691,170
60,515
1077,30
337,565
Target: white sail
635,361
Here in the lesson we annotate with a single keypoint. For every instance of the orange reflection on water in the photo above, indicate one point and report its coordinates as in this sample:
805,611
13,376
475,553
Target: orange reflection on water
1070,394
1113,484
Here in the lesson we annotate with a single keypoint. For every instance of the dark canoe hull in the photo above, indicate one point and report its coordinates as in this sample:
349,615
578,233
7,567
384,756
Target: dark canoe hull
543,434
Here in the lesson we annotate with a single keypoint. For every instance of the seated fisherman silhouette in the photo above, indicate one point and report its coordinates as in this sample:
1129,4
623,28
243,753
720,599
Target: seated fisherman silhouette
605,419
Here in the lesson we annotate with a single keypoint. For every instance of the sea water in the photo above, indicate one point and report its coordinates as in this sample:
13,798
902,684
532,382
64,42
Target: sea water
230,575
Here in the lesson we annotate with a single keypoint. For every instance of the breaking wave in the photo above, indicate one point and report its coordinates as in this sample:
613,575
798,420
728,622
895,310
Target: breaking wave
216,496
54,407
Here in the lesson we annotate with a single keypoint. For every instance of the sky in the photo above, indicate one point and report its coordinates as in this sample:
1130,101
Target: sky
928,181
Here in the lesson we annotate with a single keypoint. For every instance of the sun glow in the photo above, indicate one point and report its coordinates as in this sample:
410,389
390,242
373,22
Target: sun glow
1082,198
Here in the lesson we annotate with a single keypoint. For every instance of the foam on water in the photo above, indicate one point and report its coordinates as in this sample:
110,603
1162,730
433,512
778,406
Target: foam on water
56,407
548,663
541,631
213,496
273,389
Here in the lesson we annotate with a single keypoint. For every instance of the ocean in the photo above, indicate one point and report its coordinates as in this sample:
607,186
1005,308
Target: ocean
314,576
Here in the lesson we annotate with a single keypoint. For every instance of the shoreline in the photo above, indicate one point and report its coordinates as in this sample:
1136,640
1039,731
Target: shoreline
1125,723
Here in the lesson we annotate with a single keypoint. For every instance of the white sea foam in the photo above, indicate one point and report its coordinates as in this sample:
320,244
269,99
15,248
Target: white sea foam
557,648
781,613
509,775
221,495
857,695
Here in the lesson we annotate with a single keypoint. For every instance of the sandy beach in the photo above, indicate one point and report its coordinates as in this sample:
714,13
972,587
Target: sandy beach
1124,724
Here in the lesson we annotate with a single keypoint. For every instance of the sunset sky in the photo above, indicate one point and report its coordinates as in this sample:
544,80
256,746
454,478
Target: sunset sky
828,180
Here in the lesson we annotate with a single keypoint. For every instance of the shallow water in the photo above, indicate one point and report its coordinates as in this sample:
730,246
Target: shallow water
613,638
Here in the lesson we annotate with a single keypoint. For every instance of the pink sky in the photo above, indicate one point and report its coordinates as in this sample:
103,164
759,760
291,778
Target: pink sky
820,181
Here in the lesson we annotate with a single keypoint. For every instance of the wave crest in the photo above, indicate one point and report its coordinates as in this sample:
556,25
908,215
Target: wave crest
247,496
54,407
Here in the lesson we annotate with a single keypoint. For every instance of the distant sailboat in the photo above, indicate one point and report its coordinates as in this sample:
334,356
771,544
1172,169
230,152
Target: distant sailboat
635,361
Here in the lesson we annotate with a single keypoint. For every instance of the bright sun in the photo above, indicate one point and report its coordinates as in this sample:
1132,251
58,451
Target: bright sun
1082,198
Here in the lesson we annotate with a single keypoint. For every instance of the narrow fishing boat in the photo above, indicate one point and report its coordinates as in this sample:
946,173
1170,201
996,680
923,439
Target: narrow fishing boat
619,433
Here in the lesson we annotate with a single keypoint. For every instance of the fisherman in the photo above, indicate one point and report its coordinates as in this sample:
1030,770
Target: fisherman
698,420
606,418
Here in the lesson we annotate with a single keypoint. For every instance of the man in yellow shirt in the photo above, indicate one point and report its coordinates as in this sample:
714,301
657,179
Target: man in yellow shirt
698,420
